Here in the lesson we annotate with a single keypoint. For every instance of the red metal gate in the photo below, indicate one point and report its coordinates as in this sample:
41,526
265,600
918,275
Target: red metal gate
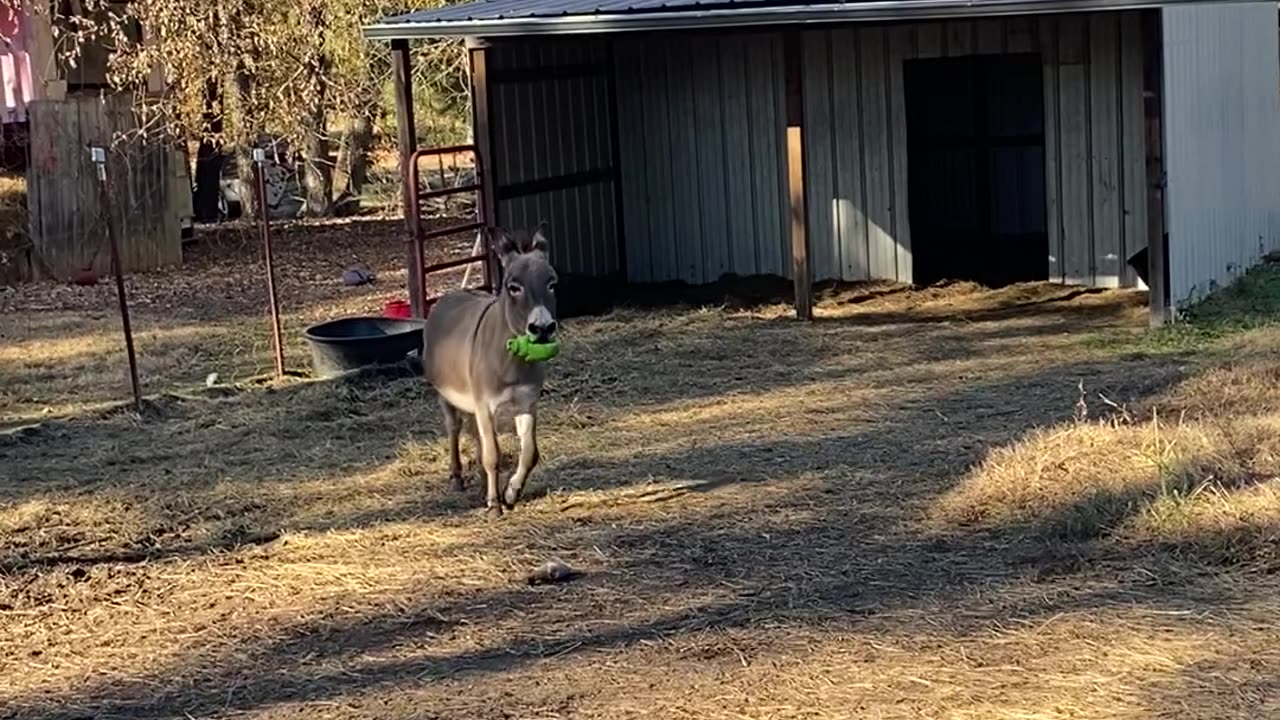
419,233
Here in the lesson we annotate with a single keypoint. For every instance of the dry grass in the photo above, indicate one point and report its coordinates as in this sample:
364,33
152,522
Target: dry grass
862,521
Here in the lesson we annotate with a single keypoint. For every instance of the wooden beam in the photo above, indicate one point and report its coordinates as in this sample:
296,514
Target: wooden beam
480,104
402,76
1157,237
793,59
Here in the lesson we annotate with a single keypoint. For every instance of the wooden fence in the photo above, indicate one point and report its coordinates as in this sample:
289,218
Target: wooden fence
148,189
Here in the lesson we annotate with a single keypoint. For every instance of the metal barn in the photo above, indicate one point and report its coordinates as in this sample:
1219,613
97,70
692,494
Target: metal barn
1091,142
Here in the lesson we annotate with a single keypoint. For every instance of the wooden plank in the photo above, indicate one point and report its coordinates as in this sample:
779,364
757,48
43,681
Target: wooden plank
739,205
824,245
1133,145
929,40
794,70
850,219
877,141
1076,175
710,122
958,40
1053,147
685,137
634,156
900,48
1104,125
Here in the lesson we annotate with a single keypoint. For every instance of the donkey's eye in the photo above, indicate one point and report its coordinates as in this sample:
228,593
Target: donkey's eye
514,289
551,286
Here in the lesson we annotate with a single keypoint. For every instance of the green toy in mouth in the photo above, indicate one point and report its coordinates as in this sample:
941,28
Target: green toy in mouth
528,349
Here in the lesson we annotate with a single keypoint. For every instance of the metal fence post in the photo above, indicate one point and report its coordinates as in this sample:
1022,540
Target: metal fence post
99,157
264,225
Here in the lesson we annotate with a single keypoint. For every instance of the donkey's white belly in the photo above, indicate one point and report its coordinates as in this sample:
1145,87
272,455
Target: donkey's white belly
510,401
514,400
460,400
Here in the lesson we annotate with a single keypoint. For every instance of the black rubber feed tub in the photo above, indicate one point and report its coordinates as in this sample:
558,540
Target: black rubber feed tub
340,346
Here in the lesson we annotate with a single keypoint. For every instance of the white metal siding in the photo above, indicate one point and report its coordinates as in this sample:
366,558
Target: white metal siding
856,145
1221,117
551,115
700,124
701,131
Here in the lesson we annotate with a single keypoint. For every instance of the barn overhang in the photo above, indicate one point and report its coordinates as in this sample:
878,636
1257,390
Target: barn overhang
516,18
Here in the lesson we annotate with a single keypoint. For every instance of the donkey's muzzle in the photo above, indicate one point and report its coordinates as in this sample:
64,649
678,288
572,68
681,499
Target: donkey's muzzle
543,331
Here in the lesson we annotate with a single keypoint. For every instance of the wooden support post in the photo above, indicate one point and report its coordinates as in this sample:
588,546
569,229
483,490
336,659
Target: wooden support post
1157,236
402,74
793,58
488,206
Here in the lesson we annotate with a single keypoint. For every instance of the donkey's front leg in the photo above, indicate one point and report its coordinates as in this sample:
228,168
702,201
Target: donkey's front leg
526,428
489,459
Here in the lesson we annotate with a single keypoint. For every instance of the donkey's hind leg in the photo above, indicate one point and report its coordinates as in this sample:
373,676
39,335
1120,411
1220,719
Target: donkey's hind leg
473,432
452,426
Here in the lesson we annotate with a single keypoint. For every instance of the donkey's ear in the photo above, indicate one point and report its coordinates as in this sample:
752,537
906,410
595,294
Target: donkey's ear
503,244
538,241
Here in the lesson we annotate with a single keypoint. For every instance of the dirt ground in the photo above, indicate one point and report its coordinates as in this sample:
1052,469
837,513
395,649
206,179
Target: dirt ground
937,503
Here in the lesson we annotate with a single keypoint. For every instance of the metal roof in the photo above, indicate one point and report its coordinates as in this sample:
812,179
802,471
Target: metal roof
499,18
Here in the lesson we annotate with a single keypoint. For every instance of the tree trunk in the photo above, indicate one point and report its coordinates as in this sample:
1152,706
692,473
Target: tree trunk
239,132
242,137
317,171
359,140
317,174
208,162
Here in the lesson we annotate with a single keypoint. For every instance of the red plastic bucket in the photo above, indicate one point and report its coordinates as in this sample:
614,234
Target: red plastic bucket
397,309
401,309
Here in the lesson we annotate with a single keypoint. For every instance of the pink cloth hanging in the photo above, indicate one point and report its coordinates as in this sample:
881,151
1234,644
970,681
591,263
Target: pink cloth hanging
15,62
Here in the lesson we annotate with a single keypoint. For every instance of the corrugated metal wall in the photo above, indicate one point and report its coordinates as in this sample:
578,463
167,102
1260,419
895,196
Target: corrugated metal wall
1095,153
553,148
1222,116
702,138
701,132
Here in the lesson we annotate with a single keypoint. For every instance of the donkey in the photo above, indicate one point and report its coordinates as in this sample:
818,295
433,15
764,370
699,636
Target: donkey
465,358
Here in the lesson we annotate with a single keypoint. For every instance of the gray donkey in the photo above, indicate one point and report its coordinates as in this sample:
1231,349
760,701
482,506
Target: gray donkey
465,357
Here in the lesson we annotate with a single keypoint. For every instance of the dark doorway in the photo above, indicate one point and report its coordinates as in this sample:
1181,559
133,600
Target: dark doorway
975,150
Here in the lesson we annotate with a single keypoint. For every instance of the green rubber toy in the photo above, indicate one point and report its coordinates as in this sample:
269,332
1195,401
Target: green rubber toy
528,349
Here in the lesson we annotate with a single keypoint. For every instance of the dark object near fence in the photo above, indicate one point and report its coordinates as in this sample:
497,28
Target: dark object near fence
340,346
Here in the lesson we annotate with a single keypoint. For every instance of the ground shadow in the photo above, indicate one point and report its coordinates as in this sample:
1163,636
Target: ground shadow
843,554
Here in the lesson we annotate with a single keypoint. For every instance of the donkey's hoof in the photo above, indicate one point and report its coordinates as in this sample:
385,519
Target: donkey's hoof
509,499
493,512
456,484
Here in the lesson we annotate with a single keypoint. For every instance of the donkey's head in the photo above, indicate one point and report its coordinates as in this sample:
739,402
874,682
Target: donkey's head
528,295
